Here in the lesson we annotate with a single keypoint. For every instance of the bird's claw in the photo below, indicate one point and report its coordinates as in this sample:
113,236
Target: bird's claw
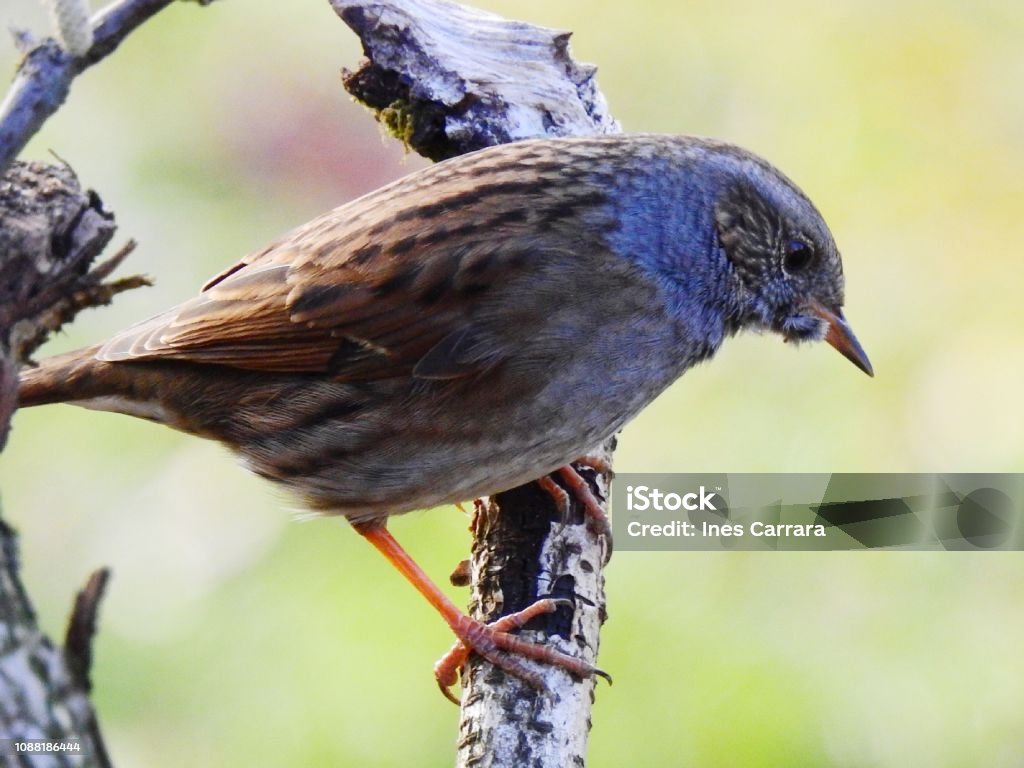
494,643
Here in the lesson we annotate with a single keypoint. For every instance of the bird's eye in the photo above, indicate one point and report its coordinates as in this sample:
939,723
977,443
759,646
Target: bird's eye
798,257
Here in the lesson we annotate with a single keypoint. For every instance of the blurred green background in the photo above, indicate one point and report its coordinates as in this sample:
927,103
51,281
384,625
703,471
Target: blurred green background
234,636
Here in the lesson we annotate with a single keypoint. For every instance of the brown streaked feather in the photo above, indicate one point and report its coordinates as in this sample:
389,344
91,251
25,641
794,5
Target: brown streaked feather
384,286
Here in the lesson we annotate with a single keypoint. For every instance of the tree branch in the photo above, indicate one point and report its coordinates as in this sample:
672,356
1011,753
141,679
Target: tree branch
40,697
51,231
44,78
447,79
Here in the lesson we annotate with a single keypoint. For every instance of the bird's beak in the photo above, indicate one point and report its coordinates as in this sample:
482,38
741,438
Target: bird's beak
841,336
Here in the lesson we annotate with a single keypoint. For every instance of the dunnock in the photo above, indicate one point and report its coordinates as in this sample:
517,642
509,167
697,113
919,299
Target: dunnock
474,326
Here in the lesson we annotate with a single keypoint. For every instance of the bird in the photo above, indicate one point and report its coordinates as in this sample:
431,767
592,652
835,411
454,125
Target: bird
474,326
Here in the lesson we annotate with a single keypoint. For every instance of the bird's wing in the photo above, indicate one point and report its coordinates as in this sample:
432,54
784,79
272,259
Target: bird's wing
383,287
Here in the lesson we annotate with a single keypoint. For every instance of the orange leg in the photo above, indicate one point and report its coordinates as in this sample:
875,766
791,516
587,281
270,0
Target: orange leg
496,645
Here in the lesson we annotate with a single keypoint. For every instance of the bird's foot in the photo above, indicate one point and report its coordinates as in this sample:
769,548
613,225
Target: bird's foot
558,495
494,643
597,519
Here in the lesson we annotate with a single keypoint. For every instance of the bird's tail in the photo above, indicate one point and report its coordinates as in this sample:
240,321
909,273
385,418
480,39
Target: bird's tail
69,378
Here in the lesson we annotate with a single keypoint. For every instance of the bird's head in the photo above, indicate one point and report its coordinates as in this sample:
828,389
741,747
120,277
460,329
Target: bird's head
786,264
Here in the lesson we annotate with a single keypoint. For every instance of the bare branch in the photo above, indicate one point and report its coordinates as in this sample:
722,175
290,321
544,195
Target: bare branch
447,79
39,697
44,77
51,231
82,628
523,551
